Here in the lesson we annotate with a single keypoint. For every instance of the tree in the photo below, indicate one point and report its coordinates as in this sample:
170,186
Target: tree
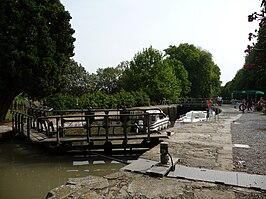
181,74
107,79
147,72
215,80
200,67
77,80
36,43
256,53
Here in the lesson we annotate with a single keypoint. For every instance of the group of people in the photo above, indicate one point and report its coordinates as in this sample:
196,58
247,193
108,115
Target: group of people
249,104
242,107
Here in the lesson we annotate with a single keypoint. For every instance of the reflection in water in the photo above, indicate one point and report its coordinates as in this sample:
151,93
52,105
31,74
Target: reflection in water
27,172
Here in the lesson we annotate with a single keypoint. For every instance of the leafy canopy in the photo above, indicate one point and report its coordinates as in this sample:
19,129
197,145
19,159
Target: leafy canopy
148,72
36,43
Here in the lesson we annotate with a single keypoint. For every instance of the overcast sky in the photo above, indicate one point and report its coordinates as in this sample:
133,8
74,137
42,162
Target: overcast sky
108,32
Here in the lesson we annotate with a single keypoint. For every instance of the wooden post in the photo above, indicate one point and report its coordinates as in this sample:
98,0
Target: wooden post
38,124
22,124
60,131
88,128
147,118
125,132
28,127
18,124
62,121
106,125
57,125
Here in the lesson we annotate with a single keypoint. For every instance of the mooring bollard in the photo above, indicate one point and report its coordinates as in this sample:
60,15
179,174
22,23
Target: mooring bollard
164,152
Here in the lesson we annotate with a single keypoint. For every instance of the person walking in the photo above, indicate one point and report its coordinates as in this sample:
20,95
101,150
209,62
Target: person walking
209,107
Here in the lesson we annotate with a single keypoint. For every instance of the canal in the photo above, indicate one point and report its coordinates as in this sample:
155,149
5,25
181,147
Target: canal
29,172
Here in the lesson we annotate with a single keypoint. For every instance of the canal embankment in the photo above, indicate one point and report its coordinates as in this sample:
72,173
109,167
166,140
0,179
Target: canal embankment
214,144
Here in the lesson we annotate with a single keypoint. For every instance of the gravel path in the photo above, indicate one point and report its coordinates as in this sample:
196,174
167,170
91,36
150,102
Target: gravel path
250,129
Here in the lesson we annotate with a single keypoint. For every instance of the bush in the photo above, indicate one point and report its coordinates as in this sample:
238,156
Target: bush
98,100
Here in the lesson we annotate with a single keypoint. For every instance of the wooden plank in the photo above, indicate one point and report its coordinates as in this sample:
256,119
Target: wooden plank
98,138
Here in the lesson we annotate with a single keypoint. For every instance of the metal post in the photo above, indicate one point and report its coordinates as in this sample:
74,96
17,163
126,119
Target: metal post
164,152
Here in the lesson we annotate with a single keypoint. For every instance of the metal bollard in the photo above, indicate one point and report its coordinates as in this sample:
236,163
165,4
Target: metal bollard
164,152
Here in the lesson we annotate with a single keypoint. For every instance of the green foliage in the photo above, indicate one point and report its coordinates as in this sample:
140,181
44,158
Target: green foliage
203,74
227,90
125,99
141,98
107,79
76,79
148,72
98,100
254,72
35,46
181,75
247,79
36,43
61,102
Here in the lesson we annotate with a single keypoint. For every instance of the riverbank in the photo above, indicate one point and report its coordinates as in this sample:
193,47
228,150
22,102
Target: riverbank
209,145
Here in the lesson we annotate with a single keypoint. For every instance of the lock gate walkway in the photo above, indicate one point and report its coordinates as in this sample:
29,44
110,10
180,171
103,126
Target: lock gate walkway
89,129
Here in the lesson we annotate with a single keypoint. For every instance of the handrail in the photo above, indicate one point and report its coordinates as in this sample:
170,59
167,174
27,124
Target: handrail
43,123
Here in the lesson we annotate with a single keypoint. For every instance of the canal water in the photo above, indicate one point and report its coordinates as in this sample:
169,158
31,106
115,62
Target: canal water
29,172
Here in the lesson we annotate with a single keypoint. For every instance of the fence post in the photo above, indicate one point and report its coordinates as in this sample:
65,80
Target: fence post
88,128
61,131
106,125
147,118
18,124
28,127
22,124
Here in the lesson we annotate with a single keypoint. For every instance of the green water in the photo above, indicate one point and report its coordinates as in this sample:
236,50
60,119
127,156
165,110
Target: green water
28,172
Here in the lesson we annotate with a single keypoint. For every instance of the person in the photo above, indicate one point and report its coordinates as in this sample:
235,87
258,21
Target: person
209,105
219,101
249,104
261,101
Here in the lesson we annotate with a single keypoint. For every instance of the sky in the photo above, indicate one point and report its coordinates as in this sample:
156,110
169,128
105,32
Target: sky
108,32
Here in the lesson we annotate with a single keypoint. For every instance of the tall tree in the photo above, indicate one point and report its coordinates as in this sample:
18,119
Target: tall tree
107,79
200,67
77,80
256,53
148,72
181,74
36,43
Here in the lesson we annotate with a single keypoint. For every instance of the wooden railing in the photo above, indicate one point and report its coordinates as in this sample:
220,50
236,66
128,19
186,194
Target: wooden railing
93,124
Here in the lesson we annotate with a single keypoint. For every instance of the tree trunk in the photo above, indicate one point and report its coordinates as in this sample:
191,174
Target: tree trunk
6,98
